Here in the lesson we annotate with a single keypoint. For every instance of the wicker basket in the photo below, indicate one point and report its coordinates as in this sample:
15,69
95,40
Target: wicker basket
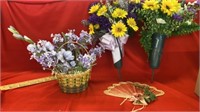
73,83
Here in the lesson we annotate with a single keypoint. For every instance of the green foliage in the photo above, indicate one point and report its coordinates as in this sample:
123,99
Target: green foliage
168,25
186,29
145,40
148,95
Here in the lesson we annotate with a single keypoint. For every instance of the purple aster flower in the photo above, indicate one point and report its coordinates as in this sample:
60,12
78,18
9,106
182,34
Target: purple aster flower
132,8
177,17
101,20
133,15
94,19
104,23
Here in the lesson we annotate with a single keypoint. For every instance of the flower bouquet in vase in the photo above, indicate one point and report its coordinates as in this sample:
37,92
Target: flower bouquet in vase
68,57
163,19
111,23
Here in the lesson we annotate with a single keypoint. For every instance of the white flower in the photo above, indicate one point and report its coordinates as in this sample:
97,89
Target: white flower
68,55
188,22
60,55
160,21
49,46
31,48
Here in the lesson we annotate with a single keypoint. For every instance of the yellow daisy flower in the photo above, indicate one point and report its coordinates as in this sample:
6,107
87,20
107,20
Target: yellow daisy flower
91,29
170,6
131,22
119,13
134,1
151,4
102,11
119,29
96,26
94,8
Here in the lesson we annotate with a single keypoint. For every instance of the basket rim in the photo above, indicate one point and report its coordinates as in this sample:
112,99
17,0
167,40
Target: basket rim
59,75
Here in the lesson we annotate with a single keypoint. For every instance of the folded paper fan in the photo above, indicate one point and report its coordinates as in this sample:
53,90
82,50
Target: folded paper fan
137,93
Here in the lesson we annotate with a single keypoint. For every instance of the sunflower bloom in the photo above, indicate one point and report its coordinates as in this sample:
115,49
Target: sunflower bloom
170,7
119,13
118,29
91,29
151,4
134,1
94,8
102,11
131,22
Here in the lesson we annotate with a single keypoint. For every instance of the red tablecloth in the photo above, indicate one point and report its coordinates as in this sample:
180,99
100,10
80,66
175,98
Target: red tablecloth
38,19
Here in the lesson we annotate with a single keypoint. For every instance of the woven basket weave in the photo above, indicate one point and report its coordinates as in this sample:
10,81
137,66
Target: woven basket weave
73,83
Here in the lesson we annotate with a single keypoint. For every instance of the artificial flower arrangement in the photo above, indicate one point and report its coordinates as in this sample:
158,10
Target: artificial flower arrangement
112,23
164,18
68,57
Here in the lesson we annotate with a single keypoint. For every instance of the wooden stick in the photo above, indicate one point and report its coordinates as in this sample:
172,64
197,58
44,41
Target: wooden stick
27,83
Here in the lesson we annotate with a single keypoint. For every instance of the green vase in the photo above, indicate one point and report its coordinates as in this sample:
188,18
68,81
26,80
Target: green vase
157,48
158,41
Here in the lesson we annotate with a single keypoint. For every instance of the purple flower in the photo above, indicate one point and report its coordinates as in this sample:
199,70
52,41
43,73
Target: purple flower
97,51
57,38
71,46
133,15
177,17
104,23
86,60
101,20
85,37
94,19
47,59
192,10
71,36
44,45
132,10
197,3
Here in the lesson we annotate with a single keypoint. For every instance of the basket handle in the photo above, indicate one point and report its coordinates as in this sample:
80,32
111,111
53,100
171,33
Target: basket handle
74,43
